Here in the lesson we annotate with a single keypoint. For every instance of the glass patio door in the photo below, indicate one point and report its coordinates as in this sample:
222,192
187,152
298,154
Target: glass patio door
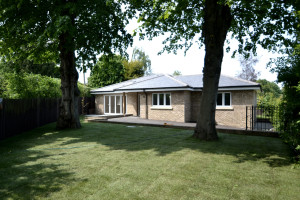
113,104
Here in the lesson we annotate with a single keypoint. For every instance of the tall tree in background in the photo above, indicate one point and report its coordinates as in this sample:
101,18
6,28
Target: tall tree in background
138,66
176,73
141,56
107,71
248,72
57,29
186,20
270,93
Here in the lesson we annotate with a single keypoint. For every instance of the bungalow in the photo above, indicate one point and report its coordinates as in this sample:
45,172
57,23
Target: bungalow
176,98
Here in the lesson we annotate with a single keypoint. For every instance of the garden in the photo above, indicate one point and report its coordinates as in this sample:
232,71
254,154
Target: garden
111,161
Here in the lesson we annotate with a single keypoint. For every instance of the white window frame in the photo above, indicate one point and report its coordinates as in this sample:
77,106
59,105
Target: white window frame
165,100
109,103
223,100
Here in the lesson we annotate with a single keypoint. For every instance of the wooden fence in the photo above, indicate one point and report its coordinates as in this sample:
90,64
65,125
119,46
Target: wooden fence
19,115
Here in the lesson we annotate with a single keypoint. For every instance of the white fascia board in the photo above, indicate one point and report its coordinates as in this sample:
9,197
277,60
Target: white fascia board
174,89
170,89
239,88
116,92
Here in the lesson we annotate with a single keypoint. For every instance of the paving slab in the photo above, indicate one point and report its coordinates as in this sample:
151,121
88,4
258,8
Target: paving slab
132,120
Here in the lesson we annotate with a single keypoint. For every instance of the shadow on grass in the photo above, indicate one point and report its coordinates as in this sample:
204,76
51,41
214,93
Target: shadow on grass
23,174
22,171
165,141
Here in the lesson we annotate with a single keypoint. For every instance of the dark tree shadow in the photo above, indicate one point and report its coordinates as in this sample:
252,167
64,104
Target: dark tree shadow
165,141
20,175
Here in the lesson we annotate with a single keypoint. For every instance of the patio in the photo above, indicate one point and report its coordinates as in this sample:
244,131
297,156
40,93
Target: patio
137,121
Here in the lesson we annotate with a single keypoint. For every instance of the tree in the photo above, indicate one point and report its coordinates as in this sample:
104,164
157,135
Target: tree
264,22
248,72
28,66
25,85
114,68
107,71
288,69
133,69
54,30
270,93
140,55
139,65
177,73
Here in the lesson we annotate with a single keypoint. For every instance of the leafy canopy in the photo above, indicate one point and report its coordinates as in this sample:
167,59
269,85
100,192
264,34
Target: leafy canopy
31,29
269,23
107,71
114,68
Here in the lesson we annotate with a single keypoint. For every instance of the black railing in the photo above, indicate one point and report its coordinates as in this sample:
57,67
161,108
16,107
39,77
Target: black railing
262,118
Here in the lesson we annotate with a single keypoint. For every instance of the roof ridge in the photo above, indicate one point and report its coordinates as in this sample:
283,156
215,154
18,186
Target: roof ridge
190,75
240,79
154,76
173,78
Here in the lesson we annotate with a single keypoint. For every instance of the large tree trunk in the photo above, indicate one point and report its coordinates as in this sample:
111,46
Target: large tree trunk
68,114
217,20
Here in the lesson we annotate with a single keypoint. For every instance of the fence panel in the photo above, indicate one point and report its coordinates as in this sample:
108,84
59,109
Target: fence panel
262,118
20,115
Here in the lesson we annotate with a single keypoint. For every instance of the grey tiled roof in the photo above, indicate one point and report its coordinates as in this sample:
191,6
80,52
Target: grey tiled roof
162,81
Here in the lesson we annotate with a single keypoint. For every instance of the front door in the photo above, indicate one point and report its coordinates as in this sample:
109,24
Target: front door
113,104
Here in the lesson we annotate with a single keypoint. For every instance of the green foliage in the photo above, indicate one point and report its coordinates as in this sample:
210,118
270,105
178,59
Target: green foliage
27,66
25,85
139,65
113,68
252,19
107,71
288,69
176,73
32,29
22,86
140,55
270,93
84,90
133,69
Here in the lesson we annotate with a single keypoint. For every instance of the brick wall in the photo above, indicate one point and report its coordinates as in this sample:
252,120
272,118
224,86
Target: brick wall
235,116
131,103
185,107
177,111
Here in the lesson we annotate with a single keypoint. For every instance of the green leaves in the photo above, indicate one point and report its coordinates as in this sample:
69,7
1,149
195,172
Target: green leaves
31,28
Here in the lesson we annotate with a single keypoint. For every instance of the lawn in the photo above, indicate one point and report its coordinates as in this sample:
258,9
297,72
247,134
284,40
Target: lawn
109,161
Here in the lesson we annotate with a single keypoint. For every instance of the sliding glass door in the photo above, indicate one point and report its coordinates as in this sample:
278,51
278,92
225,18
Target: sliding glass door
113,104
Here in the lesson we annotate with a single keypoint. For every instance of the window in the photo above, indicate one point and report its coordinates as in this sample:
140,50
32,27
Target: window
161,99
113,104
224,99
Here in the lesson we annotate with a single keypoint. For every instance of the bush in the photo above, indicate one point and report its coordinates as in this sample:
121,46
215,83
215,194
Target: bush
25,85
290,119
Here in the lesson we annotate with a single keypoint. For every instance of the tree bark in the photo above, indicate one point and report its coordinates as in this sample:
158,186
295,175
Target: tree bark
217,21
68,109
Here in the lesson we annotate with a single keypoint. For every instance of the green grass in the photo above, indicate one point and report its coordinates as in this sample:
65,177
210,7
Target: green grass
109,161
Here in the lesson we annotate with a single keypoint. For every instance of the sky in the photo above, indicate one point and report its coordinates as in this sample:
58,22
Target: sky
193,61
